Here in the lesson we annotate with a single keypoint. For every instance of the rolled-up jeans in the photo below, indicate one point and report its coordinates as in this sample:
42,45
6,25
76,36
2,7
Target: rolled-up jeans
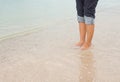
86,10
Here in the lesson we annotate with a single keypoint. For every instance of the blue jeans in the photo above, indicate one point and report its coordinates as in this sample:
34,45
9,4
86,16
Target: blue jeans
86,10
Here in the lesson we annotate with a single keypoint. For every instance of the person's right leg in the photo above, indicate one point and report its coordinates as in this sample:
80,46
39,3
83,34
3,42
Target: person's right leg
82,31
81,21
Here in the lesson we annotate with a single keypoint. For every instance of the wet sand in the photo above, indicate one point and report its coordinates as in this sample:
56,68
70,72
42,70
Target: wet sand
49,55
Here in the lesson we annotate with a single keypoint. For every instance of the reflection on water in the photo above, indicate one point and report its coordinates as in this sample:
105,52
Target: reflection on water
87,71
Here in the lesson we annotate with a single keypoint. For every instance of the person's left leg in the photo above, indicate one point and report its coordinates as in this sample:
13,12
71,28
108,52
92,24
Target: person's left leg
89,12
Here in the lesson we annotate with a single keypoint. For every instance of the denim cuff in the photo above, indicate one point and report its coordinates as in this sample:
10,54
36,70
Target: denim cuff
89,20
80,19
85,19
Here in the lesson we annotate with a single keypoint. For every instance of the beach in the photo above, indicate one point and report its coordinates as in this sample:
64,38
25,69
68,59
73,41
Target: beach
49,54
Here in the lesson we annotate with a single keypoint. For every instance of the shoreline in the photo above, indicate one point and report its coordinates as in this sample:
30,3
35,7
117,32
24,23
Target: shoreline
31,30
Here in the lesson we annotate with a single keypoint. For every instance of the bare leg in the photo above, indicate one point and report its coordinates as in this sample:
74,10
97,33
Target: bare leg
82,31
90,32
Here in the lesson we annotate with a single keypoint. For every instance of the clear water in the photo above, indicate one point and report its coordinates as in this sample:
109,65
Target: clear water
16,16
20,15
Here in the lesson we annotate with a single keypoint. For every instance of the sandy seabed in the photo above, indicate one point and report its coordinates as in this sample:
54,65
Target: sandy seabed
49,55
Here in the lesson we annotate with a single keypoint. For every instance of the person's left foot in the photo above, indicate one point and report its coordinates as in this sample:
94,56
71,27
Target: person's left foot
85,46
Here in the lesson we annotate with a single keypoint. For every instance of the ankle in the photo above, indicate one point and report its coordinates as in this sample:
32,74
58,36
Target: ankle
82,41
88,43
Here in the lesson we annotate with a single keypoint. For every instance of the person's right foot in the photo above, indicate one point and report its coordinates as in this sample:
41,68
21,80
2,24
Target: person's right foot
79,43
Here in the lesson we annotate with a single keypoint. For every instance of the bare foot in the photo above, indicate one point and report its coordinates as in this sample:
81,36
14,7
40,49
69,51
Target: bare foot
80,43
85,46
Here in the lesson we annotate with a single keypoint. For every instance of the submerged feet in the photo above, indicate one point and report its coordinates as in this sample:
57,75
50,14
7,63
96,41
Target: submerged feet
79,43
83,45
